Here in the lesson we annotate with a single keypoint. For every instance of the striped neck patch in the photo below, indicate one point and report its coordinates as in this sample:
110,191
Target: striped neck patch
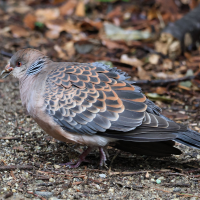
36,67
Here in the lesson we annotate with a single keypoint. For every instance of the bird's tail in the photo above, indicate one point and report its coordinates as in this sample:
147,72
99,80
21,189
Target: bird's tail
189,138
185,136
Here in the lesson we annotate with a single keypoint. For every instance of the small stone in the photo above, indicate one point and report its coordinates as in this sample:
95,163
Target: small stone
13,190
102,175
111,190
177,189
158,181
56,166
44,194
51,180
54,198
152,179
161,178
154,59
198,156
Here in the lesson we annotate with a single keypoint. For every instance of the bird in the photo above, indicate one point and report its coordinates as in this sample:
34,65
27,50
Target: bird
94,105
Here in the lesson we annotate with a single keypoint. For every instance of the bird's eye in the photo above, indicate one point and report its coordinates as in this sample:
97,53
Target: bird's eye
19,64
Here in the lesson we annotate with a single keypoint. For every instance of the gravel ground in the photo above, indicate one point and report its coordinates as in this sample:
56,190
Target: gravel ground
29,164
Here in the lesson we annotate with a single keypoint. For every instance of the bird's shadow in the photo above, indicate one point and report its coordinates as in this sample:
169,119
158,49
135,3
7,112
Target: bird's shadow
123,162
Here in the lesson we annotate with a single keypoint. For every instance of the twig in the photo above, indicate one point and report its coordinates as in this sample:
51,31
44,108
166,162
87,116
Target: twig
29,192
138,172
9,138
6,54
13,167
165,82
114,157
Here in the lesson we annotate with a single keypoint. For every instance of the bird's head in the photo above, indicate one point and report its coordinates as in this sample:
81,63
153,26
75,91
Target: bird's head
25,62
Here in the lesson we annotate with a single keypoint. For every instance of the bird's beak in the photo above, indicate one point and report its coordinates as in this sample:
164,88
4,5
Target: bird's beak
7,71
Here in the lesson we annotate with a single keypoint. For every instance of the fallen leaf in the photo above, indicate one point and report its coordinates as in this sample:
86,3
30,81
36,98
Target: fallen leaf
37,40
80,9
19,31
62,25
90,25
47,14
157,97
167,64
68,7
60,52
114,45
21,8
69,48
117,12
116,33
29,21
138,64
154,59
161,90
52,34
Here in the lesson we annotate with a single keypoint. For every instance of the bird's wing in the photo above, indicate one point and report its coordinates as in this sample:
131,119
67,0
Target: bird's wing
92,99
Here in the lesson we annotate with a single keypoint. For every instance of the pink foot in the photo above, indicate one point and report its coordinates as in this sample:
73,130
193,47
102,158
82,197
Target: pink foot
102,157
80,160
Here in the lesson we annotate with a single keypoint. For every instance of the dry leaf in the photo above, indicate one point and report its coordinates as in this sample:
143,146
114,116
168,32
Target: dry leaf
5,31
167,64
69,48
37,41
44,15
62,25
19,31
154,59
161,90
89,25
114,45
80,9
52,34
20,8
60,52
68,7
137,63
29,21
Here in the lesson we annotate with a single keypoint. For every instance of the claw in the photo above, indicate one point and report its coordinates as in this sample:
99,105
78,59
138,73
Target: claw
80,160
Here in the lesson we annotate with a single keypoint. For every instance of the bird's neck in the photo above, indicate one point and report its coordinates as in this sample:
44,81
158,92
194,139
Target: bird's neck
28,93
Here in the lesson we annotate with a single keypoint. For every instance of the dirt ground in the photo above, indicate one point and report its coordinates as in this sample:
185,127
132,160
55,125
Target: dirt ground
30,159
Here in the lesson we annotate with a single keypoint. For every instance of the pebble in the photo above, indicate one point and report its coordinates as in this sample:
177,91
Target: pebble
57,166
111,190
53,198
44,194
158,181
177,189
102,175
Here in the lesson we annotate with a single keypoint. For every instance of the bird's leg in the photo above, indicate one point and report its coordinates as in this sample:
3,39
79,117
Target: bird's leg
103,153
80,160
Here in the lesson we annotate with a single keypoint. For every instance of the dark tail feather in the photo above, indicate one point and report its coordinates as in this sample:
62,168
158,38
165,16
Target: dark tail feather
161,149
189,137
